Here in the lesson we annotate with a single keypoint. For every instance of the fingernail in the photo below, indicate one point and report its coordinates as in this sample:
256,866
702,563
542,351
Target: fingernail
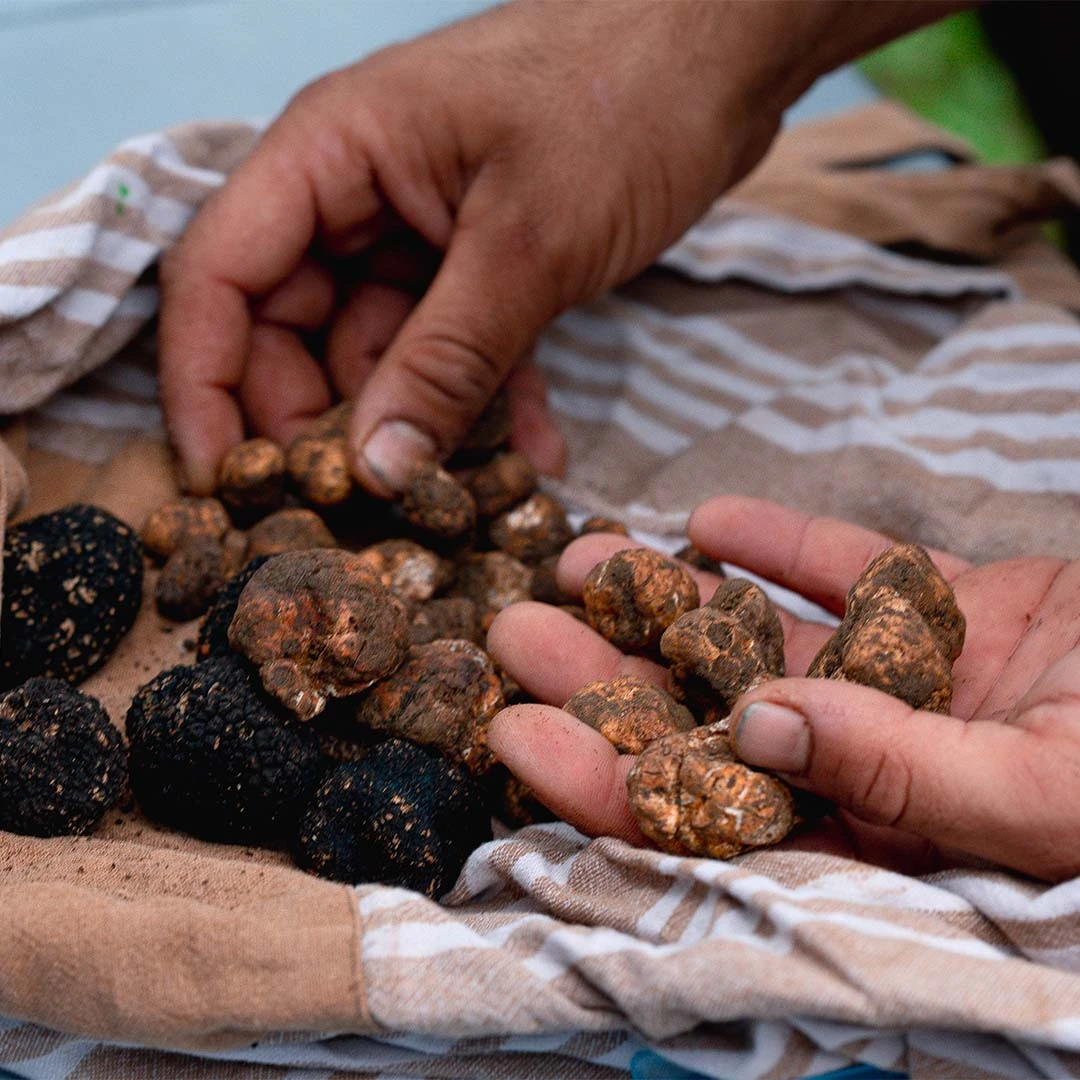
392,450
773,737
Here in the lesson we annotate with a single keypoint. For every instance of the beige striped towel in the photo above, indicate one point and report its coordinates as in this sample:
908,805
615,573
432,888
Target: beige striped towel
766,354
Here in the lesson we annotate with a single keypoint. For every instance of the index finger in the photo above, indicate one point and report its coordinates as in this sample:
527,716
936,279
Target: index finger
817,557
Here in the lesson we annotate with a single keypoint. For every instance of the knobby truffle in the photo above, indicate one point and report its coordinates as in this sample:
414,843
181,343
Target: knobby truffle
532,530
632,597
691,796
400,816
411,572
191,578
900,633
438,503
293,529
729,646
630,712
251,479
183,519
444,696
492,580
73,583
62,763
318,625
213,756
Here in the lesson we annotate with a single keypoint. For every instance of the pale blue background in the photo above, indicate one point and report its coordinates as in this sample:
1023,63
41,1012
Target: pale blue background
79,76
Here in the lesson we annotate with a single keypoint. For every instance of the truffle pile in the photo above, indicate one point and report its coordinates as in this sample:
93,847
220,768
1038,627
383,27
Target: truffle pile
339,703
689,792
340,696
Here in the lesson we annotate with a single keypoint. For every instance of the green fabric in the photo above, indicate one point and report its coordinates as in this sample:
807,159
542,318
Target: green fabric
948,73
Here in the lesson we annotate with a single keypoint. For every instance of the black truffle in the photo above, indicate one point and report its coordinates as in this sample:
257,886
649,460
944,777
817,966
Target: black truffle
73,583
213,756
214,629
400,816
62,763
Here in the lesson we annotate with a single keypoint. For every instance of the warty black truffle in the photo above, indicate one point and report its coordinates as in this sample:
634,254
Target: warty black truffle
73,583
400,816
214,756
62,763
214,628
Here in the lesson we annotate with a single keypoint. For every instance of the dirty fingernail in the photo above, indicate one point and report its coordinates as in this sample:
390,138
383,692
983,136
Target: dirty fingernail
773,737
392,450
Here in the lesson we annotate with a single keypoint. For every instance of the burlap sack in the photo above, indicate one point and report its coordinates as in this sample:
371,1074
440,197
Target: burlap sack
768,354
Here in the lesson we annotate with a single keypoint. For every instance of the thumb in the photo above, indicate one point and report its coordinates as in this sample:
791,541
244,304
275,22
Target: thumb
484,309
995,790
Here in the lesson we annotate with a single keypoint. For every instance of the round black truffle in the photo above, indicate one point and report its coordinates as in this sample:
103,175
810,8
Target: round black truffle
213,756
400,816
73,583
214,629
62,763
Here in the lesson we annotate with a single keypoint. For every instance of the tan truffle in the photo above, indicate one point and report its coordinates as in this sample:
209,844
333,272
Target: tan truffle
602,525
629,712
505,481
411,572
251,479
532,530
729,646
317,625
443,696
492,580
185,518
318,459
438,503
545,588
191,578
294,529
690,796
635,595
900,633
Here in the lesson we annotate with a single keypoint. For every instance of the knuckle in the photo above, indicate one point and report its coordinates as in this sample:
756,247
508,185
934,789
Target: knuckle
881,794
449,372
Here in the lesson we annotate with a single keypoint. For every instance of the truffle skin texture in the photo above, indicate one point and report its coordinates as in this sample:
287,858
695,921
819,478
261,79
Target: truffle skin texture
493,580
214,629
401,816
438,503
318,625
294,529
691,796
632,597
251,478
532,530
445,617
729,646
190,516
62,763
213,756
411,572
73,582
629,712
444,696
191,578
503,482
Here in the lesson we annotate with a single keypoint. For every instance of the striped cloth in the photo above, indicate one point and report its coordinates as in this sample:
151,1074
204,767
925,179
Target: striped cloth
764,355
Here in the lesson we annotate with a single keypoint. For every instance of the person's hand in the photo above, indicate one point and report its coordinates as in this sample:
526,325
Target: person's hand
405,229
996,780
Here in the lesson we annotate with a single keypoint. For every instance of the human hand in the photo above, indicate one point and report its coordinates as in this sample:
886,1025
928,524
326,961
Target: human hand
408,225
425,212
915,790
